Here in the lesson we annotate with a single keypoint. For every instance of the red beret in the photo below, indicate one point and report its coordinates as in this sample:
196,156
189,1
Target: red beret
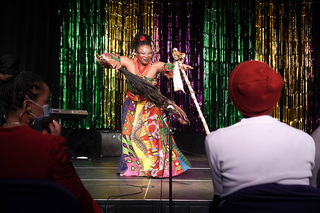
255,88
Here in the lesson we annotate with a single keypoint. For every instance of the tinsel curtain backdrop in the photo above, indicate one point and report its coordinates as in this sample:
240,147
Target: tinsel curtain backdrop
215,35
283,35
179,25
123,20
81,78
229,38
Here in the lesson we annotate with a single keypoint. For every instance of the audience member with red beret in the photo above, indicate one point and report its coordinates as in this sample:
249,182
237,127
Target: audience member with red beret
259,149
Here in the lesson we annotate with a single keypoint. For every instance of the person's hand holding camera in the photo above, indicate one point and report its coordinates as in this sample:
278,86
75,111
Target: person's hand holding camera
55,128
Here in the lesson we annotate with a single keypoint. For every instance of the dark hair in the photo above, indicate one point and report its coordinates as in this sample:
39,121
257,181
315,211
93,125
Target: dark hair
141,39
153,95
16,85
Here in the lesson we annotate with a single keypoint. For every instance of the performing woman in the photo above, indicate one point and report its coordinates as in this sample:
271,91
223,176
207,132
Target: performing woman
145,145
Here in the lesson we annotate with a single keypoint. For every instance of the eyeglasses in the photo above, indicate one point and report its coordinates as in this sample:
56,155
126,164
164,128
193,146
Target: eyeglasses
143,54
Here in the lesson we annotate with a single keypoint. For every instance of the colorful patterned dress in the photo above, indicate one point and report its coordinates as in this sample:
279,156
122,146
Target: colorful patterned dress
145,145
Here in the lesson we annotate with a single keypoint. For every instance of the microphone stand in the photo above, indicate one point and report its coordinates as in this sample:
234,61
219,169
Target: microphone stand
170,158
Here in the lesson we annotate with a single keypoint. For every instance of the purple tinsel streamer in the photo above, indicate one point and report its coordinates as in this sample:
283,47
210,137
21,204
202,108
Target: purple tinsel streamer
180,25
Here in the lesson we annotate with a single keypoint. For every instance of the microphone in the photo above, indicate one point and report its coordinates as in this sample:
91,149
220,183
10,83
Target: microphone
169,110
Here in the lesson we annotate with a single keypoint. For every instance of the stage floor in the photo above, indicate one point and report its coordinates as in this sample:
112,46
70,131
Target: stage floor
193,189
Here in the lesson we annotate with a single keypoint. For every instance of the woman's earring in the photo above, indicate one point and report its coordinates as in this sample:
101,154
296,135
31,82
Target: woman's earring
133,54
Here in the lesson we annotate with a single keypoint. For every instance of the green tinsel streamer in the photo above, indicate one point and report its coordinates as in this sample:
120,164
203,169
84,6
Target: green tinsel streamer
229,39
81,78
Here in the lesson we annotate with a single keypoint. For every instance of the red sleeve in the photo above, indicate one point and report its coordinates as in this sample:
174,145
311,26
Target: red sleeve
65,174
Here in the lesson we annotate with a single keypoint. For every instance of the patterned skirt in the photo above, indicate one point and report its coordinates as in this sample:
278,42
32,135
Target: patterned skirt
145,141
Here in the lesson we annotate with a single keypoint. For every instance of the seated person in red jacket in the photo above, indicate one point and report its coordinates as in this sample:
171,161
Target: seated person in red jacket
30,154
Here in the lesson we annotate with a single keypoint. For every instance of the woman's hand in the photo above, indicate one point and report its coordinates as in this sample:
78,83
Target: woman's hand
103,59
185,67
114,64
55,128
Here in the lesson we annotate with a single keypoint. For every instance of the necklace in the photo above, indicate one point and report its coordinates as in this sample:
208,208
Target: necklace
138,71
13,123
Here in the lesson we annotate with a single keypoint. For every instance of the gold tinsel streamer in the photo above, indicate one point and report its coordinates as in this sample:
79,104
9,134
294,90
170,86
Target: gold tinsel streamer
283,38
124,19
